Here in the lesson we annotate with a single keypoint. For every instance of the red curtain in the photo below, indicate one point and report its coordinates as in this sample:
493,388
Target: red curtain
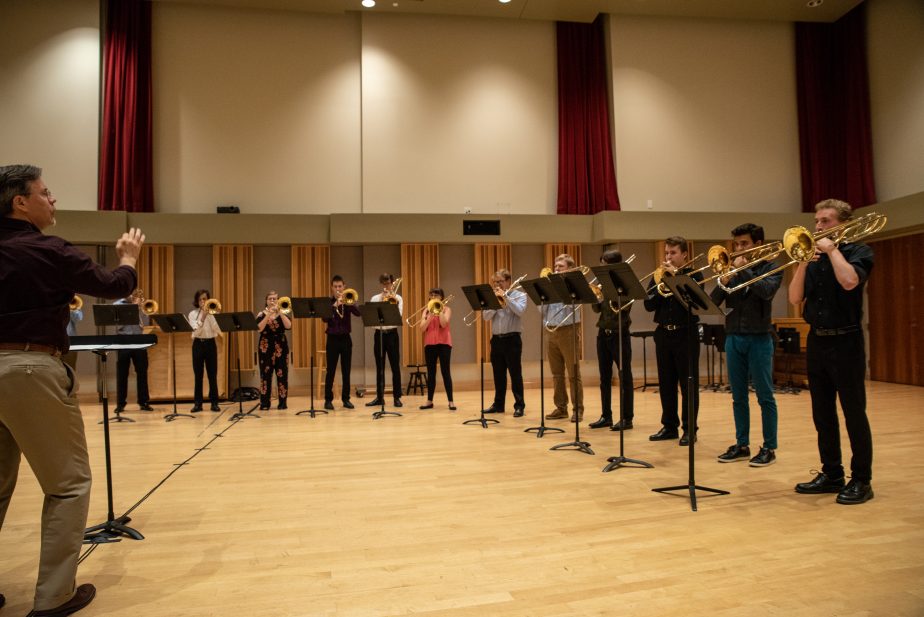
126,165
586,172
835,137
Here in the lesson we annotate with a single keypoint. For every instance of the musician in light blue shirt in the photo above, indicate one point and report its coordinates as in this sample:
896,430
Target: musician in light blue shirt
137,357
561,348
506,343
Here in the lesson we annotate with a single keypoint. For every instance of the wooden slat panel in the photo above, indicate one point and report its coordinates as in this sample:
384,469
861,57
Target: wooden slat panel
420,268
310,278
160,367
156,275
232,282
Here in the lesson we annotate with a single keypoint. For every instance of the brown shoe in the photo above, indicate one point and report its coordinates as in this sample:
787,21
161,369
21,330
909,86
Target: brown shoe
577,417
558,414
83,596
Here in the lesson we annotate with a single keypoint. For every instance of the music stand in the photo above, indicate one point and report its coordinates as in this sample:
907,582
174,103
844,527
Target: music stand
115,315
171,324
690,295
574,290
312,308
619,285
381,314
232,323
481,298
540,291
113,528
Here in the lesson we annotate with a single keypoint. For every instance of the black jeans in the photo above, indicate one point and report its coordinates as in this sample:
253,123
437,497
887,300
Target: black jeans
339,348
443,353
607,354
672,349
393,351
205,356
127,357
506,354
837,368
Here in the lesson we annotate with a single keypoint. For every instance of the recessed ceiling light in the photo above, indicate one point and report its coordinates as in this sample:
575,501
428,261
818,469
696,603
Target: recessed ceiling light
368,3
814,3
504,1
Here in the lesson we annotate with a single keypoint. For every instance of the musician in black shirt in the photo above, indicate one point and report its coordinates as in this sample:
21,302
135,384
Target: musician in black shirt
831,287
672,345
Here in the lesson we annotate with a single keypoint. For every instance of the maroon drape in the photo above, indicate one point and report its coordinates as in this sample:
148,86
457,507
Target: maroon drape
835,138
586,173
126,165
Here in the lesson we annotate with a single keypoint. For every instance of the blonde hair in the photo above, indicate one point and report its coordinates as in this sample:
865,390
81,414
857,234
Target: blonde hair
565,257
843,209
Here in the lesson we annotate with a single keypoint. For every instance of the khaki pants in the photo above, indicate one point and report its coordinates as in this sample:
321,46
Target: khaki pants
560,350
40,418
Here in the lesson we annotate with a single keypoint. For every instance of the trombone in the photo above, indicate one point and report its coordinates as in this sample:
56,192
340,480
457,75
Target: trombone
798,244
434,307
149,307
662,271
75,304
472,316
284,305
348,297
392,296
212,306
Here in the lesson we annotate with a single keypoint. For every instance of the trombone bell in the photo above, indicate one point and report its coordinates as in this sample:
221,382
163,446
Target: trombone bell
284,304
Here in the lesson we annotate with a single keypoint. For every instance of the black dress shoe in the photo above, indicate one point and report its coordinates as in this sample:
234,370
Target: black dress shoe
145,407
493,409
622,425
601,423
83,596
264,407
348,405
215,407
398,403
856,492
2,600
664,434
282,405
821,484
328,405
685,440
196,409
119,409
376,402
427,406
518,412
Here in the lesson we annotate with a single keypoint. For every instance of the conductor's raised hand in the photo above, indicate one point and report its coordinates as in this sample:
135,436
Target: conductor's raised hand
128,247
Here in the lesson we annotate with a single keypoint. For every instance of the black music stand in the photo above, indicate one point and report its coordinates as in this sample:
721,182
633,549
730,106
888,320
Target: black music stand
381,314
540,291
171,324
312,308
113,528
620,288
232,323
481,298
690,295
574,290
115,315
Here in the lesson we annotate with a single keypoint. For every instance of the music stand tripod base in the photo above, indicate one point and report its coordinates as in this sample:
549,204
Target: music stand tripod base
111,531
580,446
615,462
484,422
542,429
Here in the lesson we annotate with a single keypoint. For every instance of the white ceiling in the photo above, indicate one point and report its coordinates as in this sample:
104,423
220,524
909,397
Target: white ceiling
568,10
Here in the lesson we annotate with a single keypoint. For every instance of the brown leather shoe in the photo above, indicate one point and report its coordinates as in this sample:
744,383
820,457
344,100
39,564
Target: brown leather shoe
83,596
558,414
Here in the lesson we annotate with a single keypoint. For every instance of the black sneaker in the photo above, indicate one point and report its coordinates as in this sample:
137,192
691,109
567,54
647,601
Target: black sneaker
734,453
821,484
765,457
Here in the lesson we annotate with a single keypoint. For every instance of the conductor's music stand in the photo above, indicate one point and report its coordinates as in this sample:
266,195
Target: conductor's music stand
574,290
540,291
695,301
171,324
232,323
114,315
620,288
312,308
381,314
113,528
481,298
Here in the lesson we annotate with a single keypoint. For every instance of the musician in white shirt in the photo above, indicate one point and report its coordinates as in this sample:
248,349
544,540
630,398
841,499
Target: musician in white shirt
205,350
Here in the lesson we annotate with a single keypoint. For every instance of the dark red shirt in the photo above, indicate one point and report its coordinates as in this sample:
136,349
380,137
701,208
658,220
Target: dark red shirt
338,324
39,276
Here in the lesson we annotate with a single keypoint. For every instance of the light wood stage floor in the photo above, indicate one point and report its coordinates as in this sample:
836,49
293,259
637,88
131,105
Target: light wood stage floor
343,515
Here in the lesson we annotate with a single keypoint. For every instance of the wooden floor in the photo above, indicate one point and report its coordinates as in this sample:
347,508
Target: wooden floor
343,515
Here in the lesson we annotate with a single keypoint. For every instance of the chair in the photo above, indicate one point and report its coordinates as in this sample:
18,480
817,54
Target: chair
417,383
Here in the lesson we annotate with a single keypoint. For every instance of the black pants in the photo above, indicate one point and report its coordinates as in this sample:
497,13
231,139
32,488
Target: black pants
389,338
837,368
339,349
607,354
506,355
443,353
126,357
205,356
672,348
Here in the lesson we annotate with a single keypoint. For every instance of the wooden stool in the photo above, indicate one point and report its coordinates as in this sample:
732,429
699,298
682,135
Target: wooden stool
416,383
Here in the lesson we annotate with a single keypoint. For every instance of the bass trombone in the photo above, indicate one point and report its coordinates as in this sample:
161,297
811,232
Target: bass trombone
434,307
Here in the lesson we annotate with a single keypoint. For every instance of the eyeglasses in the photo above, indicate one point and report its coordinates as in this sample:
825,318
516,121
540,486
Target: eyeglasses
46,194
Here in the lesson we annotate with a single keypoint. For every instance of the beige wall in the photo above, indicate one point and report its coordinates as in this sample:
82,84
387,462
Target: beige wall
49,80
704,115
896,72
